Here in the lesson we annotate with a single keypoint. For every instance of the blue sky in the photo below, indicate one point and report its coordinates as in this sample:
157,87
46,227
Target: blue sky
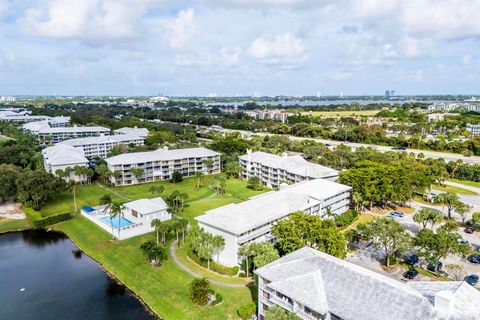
230,47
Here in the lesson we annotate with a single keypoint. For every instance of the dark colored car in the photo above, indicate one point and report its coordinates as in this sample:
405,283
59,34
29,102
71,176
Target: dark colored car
474,258
410,274
396,214
431,266
468,230
411,260
471,279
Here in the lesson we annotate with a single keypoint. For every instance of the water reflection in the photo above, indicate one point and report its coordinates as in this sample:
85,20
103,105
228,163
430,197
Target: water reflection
58,282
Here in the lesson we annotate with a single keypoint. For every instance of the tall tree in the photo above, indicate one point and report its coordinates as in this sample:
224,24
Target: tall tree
8,177
154,252
388,237
301,229
198,178
449,200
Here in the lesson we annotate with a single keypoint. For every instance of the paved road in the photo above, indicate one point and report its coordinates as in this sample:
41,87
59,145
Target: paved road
428,154
198,275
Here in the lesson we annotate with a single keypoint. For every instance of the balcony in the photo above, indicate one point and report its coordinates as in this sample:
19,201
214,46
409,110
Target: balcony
254,234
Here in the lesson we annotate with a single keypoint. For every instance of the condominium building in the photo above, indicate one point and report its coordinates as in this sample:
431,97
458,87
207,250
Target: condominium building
314,285
160,164
252,220
273,169
61,157
276,115
48,134
101,146
474,129
17,115
141,132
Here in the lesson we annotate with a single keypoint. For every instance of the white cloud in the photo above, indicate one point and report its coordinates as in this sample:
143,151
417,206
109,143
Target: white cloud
466,59
181,29
85,19
282,49
226,57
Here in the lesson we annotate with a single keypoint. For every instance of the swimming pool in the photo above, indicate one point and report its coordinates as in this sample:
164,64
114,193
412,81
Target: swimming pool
116,222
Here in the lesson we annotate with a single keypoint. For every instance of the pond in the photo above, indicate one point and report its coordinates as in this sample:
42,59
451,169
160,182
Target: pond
43,275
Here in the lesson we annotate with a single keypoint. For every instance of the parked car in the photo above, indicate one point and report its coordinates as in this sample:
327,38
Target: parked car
431,266
410,274
471,279
474,258
396,214
468,230
411,260
462,241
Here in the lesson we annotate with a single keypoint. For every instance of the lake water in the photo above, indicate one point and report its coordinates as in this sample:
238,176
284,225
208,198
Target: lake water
60,282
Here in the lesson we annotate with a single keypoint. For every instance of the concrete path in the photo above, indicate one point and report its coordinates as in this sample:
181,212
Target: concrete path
113,192
459,185
198,275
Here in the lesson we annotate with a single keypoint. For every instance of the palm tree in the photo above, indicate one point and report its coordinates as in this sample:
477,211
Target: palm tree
184,224
218,242
158,225
198,178
137,172
183,197
115,210
72,186
156,190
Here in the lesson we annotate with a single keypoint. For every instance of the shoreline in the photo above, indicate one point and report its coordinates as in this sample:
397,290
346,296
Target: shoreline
110,274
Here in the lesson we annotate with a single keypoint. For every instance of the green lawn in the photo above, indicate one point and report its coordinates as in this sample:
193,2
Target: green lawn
182,256
453,189
86,195
7,225
467,183
239,189
163,289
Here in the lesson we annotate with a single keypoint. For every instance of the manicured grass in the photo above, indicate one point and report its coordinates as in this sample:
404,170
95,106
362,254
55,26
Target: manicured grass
8,225
426,273
467,183
342,113
182,256
453,189
196,208
86,195
163,289
238,188
362,218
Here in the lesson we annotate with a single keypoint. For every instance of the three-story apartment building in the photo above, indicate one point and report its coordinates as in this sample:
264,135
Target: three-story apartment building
273,169
316,286
160,164
252,220
101,146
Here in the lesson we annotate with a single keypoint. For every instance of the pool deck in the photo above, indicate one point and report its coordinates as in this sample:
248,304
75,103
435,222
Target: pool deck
124,232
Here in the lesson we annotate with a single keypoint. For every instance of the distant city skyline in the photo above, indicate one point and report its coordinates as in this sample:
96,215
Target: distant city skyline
239,47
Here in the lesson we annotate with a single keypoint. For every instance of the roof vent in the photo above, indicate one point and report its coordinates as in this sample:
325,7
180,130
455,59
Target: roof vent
165,148
284,154
444,300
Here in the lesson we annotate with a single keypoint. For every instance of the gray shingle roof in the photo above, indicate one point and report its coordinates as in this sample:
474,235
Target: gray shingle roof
160,154
321,281
271,206
293,164
63,155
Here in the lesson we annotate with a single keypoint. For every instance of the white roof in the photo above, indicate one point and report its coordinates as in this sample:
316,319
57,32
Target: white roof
293,164
59,155
268,207
120,138
160,155
328,284
147,206
74,129
142,132
36,126
60,119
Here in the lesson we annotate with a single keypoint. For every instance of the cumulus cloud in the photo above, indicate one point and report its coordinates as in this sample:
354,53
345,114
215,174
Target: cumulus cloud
181,29
284,50
226,57
86,19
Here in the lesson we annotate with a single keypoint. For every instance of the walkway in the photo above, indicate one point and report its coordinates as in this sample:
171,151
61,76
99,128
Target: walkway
464,186
113,192
197,275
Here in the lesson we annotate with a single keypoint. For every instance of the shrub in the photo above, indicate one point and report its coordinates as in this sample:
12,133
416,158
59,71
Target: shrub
176,177
246,311
39,222
230,271
200,291
218,299
345,219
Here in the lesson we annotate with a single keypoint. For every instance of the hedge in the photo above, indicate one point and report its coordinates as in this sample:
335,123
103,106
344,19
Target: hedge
39,221
218,268
345,219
